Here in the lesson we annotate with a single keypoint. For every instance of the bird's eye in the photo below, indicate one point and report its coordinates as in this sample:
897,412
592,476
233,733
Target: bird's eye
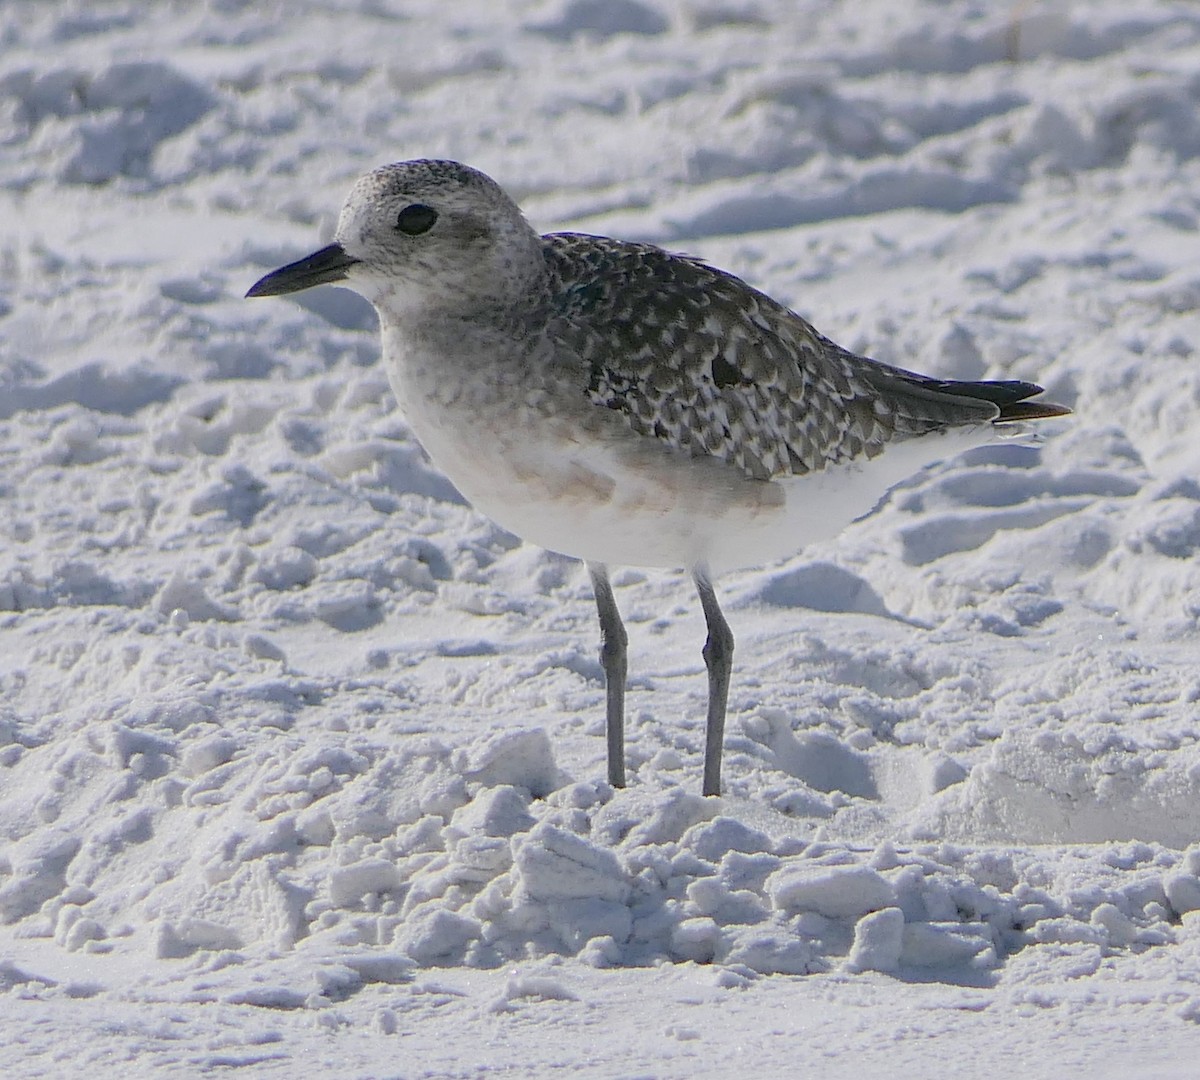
416,219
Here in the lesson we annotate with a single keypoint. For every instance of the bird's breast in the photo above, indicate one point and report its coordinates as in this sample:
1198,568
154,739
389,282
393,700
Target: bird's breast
525,446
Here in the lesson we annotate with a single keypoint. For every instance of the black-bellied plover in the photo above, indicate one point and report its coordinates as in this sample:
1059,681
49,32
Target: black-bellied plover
621,404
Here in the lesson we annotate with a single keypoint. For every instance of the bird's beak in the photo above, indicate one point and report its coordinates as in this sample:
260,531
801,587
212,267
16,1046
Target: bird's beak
321,267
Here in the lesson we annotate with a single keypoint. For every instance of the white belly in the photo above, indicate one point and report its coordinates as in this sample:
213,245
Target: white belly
579,481
604,509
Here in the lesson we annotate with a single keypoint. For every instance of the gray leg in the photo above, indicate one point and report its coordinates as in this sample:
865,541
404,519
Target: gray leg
718,657
613,641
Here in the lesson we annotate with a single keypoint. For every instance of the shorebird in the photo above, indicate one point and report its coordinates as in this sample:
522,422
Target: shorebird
621,404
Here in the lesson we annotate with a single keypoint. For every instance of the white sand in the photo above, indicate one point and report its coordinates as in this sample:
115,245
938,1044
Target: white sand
301,758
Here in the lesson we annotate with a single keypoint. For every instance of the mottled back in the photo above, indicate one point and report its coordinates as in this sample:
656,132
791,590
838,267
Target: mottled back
699,359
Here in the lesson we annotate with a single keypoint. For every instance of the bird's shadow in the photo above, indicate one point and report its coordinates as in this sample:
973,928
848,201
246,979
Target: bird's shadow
820,586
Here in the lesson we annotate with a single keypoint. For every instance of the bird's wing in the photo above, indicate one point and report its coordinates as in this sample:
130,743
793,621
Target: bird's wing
696,358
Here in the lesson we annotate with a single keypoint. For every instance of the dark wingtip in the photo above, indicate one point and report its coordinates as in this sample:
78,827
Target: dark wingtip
1032,410
1009,395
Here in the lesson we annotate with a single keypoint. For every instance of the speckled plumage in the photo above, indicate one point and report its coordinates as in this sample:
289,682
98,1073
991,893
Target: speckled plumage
615,402
697,358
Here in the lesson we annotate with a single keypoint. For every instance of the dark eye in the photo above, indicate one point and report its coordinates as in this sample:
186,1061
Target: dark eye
416,219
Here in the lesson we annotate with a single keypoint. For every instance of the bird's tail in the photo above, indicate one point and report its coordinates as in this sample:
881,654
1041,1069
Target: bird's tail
1011,395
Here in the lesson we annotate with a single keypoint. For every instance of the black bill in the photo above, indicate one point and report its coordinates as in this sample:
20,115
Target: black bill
320,268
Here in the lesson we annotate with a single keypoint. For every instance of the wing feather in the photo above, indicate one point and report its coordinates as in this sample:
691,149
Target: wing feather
698,359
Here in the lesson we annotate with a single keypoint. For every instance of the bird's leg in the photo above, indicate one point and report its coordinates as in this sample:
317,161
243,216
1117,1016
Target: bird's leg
718,657
613,641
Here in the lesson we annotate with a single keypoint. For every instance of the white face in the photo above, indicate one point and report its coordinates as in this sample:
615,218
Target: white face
430,234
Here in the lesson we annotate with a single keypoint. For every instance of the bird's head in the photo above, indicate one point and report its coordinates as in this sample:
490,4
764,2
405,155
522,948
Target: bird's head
419,236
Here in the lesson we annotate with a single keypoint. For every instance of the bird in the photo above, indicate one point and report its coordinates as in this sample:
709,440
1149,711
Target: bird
622,404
